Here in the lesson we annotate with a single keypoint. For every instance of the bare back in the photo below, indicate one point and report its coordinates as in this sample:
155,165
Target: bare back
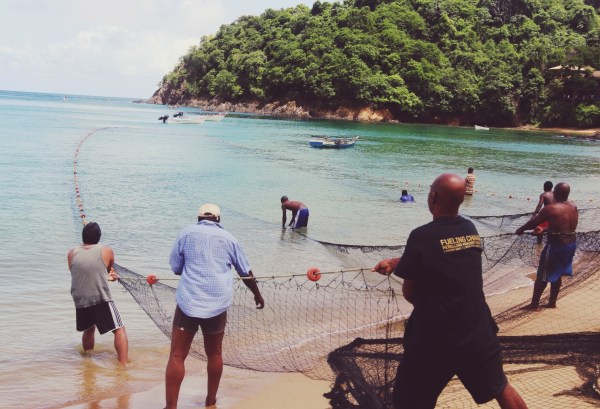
562,220
547,198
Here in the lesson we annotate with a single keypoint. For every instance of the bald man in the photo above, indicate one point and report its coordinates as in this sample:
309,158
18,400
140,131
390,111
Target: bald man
556,259
451,330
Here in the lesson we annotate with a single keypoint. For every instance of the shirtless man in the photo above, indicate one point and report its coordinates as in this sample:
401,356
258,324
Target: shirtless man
546,198
557,257
299,213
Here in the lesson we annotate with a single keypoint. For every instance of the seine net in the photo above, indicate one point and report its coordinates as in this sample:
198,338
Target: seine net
347,327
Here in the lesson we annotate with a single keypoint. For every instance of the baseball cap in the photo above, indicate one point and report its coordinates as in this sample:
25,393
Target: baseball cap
208,210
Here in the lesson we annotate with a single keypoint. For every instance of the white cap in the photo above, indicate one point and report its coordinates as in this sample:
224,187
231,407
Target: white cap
208,210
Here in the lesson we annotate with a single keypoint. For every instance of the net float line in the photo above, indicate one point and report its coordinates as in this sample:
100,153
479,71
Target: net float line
312,274
78,198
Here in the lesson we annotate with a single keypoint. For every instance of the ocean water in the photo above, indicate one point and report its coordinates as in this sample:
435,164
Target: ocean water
143,180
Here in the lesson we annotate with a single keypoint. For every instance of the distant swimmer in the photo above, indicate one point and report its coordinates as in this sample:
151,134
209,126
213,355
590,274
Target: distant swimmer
163,118
470,182
405,198
91,266
299,213
546,198
556,259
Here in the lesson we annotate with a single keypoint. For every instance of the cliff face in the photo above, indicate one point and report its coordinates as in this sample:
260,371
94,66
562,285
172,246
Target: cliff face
289,109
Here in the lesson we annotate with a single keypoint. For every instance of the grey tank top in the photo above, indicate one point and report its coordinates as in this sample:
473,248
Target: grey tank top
89,278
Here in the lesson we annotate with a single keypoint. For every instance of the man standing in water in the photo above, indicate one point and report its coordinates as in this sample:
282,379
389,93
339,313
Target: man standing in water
556,259
91,266
299,213
546,198
470,182
451,330
203,255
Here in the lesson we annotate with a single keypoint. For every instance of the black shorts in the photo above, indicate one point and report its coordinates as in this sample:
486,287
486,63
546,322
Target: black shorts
422,375
104,316
209,326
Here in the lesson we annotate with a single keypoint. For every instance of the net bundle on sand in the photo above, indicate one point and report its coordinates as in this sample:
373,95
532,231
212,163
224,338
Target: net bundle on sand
347,327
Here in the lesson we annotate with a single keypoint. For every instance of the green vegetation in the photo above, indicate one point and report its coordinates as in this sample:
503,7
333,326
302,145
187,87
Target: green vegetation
444,61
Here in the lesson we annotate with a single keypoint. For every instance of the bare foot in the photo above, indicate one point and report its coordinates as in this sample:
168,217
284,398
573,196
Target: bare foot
210,403
532,307
550,305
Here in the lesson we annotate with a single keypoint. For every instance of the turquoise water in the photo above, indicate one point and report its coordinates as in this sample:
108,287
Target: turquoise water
143,180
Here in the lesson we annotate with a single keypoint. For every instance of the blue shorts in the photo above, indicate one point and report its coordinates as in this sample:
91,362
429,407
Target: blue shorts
556,261
301,219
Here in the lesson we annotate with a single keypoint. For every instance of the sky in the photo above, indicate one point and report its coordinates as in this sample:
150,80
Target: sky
115,48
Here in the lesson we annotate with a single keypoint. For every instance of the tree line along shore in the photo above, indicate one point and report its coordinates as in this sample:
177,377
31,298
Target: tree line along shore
503,63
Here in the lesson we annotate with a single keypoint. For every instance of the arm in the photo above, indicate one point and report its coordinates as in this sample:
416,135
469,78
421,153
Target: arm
250,282
409,290
108,256
70,257
283,218
294,212
534,221
387,266
539,205
176,259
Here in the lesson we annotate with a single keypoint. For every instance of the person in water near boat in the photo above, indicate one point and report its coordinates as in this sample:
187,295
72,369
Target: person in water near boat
470,182
546,198
556,259
406,197
299,213
91,265
203,255
450,330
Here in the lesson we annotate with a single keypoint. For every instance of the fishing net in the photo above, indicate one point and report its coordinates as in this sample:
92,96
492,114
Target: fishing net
347,327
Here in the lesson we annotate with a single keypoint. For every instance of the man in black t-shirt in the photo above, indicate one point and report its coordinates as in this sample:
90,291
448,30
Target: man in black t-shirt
451,330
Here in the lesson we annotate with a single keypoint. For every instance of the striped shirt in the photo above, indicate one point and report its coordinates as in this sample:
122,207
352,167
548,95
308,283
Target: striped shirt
470,179
204,254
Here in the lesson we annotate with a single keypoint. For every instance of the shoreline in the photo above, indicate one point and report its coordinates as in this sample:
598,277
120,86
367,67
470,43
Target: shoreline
294,111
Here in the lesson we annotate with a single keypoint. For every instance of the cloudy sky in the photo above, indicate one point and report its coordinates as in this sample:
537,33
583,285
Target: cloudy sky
119,48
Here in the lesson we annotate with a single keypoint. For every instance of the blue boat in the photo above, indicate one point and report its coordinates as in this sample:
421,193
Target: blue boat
332,142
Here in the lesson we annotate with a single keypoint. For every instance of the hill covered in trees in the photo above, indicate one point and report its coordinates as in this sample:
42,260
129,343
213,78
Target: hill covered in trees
433,61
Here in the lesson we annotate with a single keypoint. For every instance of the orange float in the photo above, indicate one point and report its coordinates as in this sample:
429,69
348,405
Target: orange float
313,274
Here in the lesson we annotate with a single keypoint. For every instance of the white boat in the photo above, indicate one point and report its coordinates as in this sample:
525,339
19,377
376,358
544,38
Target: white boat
332,142
481,128
196,119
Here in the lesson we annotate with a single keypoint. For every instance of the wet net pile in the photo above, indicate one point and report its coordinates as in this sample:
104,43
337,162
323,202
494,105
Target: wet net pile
348,326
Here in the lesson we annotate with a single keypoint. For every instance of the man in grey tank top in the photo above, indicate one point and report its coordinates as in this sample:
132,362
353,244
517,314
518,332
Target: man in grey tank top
91,266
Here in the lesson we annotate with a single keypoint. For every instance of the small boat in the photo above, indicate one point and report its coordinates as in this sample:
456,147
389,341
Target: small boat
332,142
481,128
196,119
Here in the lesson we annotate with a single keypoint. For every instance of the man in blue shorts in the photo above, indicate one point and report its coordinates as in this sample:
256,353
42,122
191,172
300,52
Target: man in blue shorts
91,266
451,330
299,213
556,259
203,256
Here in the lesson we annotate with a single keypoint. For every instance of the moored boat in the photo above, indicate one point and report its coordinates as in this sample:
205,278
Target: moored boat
481,128
196,119
332,142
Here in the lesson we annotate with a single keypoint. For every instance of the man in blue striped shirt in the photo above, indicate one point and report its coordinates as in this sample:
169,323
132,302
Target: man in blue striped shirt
203,256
